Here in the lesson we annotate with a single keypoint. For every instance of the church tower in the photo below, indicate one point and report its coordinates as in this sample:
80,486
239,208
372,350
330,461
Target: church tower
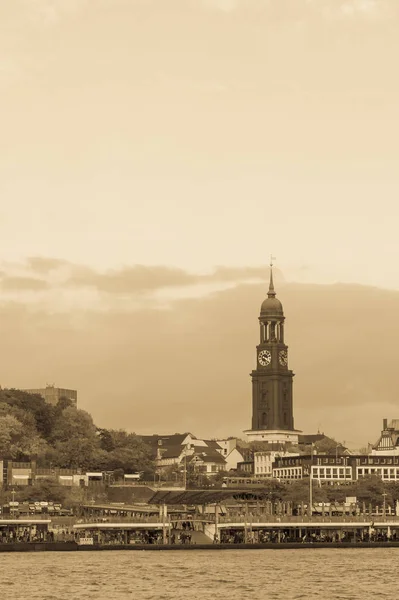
272,408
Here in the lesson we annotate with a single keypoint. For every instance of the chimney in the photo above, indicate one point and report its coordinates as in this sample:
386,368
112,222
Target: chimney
385,424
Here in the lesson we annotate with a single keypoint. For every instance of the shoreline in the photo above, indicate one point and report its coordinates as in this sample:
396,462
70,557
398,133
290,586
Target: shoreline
74,547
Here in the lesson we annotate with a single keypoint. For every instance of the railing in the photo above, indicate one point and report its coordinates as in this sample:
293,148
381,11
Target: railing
30,517
239,518
119,519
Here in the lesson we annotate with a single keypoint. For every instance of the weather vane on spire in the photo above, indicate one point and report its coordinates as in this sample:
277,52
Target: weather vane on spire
271,293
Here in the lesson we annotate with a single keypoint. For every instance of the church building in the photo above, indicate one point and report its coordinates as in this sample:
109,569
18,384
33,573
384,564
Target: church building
272,406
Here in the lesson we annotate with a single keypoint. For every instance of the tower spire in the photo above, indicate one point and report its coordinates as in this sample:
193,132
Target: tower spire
271,293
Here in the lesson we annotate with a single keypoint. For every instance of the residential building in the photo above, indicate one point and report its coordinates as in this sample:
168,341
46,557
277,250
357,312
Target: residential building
263,462
208,463
388,442
229,449
246,466
185,449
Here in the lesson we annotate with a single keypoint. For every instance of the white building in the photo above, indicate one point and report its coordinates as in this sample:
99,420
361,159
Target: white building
263,461
230,452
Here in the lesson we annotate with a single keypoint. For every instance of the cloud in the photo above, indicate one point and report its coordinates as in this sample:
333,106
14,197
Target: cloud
129,280
187,83
222,5
354,7
140,279
351,9
22,284
340,376
50,12
44,265
136,279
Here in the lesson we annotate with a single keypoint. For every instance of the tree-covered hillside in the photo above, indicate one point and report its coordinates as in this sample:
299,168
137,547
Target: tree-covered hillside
64,436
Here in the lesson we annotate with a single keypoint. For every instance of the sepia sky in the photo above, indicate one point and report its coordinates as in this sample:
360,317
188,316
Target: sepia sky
159,150
197,133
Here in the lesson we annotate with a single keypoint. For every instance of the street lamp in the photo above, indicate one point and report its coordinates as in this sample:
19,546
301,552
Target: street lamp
310,484
384,495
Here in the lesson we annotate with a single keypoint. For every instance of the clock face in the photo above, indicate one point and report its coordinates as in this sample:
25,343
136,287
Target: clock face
283,358
264,358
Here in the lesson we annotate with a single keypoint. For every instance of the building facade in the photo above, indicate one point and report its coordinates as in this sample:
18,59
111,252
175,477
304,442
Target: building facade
263,462
52,394
230,452
388,442
272,398
332,468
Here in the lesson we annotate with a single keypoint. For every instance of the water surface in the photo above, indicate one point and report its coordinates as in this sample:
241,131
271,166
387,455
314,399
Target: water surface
204,574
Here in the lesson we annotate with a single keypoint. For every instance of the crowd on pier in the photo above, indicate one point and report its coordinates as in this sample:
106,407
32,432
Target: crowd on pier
280,537
28,535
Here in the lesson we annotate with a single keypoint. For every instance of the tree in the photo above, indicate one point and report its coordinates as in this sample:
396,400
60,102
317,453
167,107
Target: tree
106,440
63,403
73,423
329,446
125,451
65,436
299,491
17,441
75,453
370,489
44,490
33,404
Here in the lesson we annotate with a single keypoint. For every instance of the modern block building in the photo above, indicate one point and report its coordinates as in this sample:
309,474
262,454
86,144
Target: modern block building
52,394
333,469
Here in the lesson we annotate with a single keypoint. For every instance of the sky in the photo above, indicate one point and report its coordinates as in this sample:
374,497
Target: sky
159,151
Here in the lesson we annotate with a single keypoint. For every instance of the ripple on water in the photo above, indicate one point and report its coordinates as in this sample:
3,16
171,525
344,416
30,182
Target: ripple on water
347,574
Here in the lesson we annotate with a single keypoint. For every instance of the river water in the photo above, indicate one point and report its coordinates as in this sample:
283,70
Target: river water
201,574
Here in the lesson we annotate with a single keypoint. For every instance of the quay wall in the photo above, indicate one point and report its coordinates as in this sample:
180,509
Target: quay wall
73,547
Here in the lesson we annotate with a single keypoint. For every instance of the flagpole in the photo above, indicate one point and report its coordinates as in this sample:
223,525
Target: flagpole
310,484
